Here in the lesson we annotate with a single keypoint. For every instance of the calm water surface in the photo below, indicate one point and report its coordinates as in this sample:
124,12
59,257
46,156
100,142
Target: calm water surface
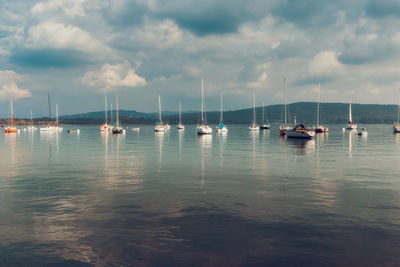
177,199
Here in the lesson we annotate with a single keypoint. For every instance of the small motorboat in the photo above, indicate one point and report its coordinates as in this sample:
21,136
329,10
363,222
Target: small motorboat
362,131
300,131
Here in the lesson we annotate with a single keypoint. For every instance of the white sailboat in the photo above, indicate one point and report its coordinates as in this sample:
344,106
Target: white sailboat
319,128
254,127
105,127
203,127
50,127
284,127
159,127
351,125
180,126
264,125
221,128
117,129
11,128
31,127
396,125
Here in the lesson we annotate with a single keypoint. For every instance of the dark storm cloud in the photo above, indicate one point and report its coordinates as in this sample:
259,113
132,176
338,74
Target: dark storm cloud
214,17
127,14
359,52
199,17
307,13
383,8
48,58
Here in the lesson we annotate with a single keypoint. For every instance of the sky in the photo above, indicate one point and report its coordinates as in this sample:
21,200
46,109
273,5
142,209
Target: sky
79,50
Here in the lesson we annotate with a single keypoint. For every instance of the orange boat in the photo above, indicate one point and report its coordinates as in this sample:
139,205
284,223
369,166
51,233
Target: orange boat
11,129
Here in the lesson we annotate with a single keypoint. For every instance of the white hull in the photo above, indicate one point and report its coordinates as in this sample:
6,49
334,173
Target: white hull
223,130
299,134
396,128
51,129
180,127
31,128
159,128
254,128
351,127
203,129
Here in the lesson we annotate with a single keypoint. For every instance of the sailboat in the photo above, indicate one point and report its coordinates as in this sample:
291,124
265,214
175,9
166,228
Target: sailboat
351,126
117,129
254,127
221,128
396,125
284,127
31,127
299,131
319,128
105,127
50,127
159,127
264,125
180,126
203,127
11,128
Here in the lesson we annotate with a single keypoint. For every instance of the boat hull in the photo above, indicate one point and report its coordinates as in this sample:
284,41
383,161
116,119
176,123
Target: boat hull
10,130
396,128
264,127
299,134
203,129
321,129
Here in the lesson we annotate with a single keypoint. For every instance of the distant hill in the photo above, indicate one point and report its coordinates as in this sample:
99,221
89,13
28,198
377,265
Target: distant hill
304,112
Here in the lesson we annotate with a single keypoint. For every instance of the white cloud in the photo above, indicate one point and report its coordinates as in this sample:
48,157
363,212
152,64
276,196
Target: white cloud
12,90
324,64
375,91
50,34
162,35
111,77
70,8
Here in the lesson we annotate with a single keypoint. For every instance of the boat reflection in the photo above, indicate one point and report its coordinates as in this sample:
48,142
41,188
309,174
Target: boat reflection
159,138
205,145
302,146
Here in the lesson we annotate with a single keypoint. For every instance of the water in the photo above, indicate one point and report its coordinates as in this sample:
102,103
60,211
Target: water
173,199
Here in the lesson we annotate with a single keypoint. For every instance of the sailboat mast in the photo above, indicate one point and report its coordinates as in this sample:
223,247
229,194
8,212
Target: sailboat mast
398,108
31,119
57,115
180,113
117,113
262,121
159,108
111,111
284,95
202,100
350,117
48,98
318,97
105,106
12,113
221,116
254,109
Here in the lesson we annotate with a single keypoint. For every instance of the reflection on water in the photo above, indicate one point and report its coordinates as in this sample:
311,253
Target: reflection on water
205,145
264,200
160,143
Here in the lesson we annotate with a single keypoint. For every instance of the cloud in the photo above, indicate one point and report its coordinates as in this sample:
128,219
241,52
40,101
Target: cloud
70,8
324,64
382,8
12,90
55,35
52,44
112,77
161,35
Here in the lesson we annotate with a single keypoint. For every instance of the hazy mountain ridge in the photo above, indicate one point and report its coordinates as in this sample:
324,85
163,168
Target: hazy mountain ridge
304,112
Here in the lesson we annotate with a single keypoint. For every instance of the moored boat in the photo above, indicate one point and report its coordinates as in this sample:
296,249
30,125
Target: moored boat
351,126
11,128
203,127
254,127
396,125
159,126
300,131
221,128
